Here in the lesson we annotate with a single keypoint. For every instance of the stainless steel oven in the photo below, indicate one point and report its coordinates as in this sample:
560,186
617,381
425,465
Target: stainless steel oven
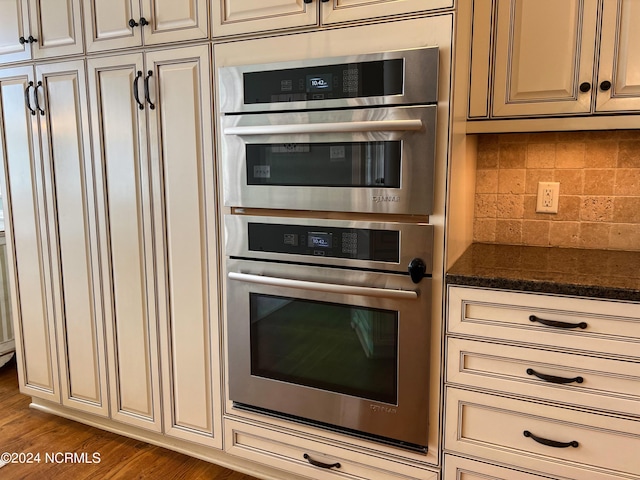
347,134
328,322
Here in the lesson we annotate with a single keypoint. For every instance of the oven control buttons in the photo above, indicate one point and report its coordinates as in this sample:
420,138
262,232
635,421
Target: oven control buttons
417,268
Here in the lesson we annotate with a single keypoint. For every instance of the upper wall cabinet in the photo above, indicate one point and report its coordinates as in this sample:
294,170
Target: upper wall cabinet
234,17
114,24
39,29
554,57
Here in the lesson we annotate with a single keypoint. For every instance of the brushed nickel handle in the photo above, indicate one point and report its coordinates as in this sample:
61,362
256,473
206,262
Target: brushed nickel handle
332,127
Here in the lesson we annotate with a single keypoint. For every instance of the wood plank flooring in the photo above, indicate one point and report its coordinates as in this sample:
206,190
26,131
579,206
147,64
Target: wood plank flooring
25,430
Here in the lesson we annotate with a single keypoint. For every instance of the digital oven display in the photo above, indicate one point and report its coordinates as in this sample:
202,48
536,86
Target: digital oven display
319,240
319,83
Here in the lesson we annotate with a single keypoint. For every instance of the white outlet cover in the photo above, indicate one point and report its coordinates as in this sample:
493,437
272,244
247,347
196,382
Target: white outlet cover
548,197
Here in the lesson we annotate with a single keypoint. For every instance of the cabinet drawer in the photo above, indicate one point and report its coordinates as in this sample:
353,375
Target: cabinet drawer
457,468
598,383
494,427
578,324
293,453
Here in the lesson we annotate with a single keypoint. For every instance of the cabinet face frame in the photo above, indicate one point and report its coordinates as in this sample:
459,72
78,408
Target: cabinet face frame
27,240
515,37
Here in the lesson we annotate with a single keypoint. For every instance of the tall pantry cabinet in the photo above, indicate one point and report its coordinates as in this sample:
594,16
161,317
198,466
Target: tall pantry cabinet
109,179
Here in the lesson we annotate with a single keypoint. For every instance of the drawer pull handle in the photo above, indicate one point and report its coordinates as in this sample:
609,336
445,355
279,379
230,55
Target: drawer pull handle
553,378
316,463
550,443
555,323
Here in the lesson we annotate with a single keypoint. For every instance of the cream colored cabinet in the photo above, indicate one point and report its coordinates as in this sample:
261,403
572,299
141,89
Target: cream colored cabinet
52,235
27,242
233,17
39,29
552,57
152,132
132,23
544,384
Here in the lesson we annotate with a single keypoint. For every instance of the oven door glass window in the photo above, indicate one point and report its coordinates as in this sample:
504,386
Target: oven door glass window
340,348
340,164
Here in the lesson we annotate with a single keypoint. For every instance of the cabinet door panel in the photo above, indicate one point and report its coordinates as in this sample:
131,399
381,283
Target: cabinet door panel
544,52
57,24
124,209
183,173
171,21
231,17
348,10
14,23
67,160
106,24
620,57
27,239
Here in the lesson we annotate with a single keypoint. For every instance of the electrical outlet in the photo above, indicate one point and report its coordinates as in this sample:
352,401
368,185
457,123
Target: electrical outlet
548,196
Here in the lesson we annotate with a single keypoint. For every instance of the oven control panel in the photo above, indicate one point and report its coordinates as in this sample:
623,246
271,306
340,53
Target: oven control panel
336,242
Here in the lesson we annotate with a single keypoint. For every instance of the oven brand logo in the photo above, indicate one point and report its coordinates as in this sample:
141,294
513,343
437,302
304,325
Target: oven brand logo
382,409
385,198
318,82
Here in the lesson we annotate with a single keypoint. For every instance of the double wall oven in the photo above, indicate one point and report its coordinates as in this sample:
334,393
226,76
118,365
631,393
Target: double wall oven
328,314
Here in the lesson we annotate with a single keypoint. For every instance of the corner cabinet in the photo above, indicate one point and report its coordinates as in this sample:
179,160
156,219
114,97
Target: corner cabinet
574,57
39,29
152,135
235,17
132,23
541,386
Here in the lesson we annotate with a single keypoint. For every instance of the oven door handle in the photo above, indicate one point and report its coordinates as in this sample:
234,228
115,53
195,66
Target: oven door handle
333,127
325,287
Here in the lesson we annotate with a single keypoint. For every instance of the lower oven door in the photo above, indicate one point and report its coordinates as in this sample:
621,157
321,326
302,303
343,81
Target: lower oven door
371,160
344,348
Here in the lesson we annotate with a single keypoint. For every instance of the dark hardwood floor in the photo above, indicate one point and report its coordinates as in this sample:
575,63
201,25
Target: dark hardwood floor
25,430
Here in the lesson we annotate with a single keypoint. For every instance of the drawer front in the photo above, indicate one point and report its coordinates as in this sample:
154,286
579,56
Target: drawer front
598,383
293,453
578,324
457,468
505,430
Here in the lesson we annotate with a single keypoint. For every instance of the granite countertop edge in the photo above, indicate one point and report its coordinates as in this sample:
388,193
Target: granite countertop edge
484,266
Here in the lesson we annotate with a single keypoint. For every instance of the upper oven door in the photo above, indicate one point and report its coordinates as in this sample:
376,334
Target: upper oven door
377,160
405,77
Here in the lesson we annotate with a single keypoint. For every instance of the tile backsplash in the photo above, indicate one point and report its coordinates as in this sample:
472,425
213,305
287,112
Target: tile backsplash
599,175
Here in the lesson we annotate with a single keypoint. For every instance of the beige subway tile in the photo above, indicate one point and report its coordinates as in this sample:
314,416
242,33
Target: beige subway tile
627,181
486,205
596,209
484,230
535,175
513,155
511,180
541,155
509,231
535,232
629,154
510,206
626,210
570,155
571,181
568,209
594,235
599,181
564,234
624,236
487,181
601,154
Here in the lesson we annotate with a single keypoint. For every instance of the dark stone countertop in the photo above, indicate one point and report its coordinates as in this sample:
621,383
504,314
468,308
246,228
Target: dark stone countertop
608,274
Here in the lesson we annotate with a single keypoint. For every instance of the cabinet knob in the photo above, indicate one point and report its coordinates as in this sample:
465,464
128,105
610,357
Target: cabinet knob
133,23
585,87
22,40
143,21
605,85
